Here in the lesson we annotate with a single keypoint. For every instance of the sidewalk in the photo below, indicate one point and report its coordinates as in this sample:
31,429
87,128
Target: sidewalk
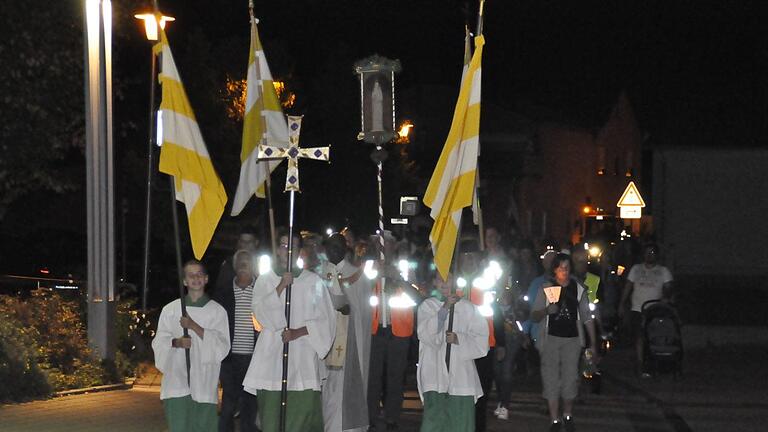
135,410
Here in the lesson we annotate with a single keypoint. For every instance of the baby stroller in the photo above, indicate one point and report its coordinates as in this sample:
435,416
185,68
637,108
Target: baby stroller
662,339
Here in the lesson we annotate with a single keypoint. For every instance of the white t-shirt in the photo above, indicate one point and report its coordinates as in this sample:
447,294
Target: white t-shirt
648,283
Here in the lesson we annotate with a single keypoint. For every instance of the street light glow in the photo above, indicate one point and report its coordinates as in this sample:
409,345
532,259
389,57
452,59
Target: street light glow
405,129
150,24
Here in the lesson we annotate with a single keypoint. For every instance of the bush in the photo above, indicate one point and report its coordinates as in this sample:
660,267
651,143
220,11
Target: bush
20,373
44,346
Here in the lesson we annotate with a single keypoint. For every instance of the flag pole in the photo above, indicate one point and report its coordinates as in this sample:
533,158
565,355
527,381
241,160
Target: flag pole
268,180
271,213
289,267
456,270
455,263
175,216
179,269
480,224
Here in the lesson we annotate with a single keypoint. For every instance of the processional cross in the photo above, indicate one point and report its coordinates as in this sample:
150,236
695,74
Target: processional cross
293,152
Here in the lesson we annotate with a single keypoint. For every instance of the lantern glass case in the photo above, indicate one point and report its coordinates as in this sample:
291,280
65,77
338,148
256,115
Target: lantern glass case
377,99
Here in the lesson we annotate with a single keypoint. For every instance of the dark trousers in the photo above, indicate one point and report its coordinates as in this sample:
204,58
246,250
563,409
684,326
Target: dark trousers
484,367
390,351
505,368
235,398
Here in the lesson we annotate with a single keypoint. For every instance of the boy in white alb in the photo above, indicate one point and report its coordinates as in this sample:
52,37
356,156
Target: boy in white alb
190,400
310,336
449,396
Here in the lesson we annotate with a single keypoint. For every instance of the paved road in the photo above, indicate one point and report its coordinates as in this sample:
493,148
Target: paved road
722,390
139,409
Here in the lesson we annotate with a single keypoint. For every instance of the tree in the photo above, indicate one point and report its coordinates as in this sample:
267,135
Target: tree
42,98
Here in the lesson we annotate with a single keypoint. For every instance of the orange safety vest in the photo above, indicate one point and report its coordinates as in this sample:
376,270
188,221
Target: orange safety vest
401,319
476,297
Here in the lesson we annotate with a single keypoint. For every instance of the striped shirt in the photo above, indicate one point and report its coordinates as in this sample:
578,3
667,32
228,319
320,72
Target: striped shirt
243,341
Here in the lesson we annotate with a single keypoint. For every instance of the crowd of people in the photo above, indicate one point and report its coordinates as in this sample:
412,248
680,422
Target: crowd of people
357,325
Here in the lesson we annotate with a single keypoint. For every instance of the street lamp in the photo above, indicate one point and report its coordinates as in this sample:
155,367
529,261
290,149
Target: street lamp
151,23
404,132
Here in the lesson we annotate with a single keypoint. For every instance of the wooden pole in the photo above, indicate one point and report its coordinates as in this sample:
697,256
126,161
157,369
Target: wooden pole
456,269
268,181
180,270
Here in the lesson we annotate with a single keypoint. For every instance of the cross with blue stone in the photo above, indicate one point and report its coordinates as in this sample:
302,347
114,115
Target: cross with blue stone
293,152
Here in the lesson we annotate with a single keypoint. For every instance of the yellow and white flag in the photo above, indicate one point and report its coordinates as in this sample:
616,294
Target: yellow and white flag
264,120
184,156
452,186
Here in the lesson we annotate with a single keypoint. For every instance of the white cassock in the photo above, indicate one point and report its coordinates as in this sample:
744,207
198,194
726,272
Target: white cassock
205,354
311,307
472,330
345,389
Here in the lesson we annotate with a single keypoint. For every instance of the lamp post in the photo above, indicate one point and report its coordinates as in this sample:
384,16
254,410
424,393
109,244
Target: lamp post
99,176
151,23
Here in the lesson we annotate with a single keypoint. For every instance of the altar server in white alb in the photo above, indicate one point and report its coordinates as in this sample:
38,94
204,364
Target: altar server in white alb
345,388
311,333
449,396
190,406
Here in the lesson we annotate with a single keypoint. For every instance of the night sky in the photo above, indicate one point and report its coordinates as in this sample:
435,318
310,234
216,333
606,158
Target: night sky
693,70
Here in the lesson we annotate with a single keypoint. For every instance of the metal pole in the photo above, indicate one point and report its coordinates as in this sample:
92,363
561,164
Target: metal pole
179,269
289,267
150,176
382,255
480,18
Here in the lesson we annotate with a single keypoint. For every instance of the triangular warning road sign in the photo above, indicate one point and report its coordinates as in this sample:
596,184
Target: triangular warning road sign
631,197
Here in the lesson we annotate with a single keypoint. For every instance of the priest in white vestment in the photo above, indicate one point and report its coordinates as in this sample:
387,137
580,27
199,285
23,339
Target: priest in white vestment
345,389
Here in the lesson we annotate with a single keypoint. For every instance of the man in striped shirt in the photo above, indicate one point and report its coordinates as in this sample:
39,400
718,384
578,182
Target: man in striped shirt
236,299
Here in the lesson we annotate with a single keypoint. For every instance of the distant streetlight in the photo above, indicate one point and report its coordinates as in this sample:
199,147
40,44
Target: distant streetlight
404,132
150,24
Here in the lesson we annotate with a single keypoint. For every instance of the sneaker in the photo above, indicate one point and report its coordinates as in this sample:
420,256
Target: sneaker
503,413
497,410
568,423
555,426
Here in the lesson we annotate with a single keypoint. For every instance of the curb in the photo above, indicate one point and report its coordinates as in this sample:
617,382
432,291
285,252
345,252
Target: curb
109,387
